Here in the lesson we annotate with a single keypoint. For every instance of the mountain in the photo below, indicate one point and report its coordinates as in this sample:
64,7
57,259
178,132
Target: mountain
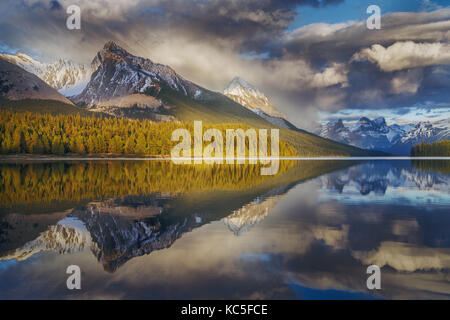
422,132
125,85
335,130
121,74
19,84
250,97
66,76
377,135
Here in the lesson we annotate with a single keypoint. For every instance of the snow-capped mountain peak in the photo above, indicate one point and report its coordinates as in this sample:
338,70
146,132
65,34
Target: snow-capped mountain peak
365,125
250,97
61,75
119,74
428,132
238,84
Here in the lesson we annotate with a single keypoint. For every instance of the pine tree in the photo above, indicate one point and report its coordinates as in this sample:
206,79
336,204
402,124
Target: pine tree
79,145
91,145
57,146
36,146
130,145
7,143
141,145
116,146
17,138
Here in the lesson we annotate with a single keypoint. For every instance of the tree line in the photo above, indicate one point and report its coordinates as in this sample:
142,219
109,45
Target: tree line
436,149
34,133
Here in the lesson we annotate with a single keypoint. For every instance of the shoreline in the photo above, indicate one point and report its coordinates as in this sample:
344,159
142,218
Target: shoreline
36,158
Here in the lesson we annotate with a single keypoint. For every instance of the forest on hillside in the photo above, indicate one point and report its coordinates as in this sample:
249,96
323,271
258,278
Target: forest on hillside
75,134
436,149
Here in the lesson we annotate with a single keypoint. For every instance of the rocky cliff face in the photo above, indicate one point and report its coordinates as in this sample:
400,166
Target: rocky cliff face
120,74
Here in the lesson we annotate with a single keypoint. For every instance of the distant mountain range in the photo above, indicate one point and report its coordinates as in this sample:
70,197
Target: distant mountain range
124,85
377,135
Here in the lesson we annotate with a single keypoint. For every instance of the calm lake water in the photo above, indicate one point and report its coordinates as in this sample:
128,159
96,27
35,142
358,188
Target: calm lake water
154,230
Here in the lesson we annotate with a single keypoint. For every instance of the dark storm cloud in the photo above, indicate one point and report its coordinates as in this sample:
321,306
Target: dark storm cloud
319,66
55,5
250,23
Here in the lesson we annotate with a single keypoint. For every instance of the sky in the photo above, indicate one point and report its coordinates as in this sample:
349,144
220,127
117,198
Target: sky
313,58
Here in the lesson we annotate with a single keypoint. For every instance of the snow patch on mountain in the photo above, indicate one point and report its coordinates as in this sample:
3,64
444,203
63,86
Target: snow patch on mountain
377,135
250,97
422,132
120,73
253,99
66,76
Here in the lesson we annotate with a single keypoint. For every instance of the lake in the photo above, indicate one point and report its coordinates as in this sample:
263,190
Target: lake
155,230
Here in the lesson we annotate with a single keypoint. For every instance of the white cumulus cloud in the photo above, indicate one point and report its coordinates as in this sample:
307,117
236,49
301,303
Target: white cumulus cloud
405,55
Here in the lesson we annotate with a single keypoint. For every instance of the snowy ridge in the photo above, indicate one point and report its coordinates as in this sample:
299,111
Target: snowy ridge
120,74
377,135
250,97
60,75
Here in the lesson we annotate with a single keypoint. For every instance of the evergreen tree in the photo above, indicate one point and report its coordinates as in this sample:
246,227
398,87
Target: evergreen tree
91,148
17,138
7,143
57,146
36,145
141,145
130,145
79,145
116,146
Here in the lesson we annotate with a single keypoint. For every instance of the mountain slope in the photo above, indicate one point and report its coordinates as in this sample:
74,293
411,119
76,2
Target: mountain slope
121,74
18,84
250,97
62,75
422,132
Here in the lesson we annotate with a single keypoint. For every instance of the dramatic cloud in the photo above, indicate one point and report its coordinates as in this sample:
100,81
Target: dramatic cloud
320,66
406,55
336,74
407,82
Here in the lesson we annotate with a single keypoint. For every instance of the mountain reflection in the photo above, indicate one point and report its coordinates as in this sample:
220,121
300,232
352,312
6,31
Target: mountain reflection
412,183
314,227
179,199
